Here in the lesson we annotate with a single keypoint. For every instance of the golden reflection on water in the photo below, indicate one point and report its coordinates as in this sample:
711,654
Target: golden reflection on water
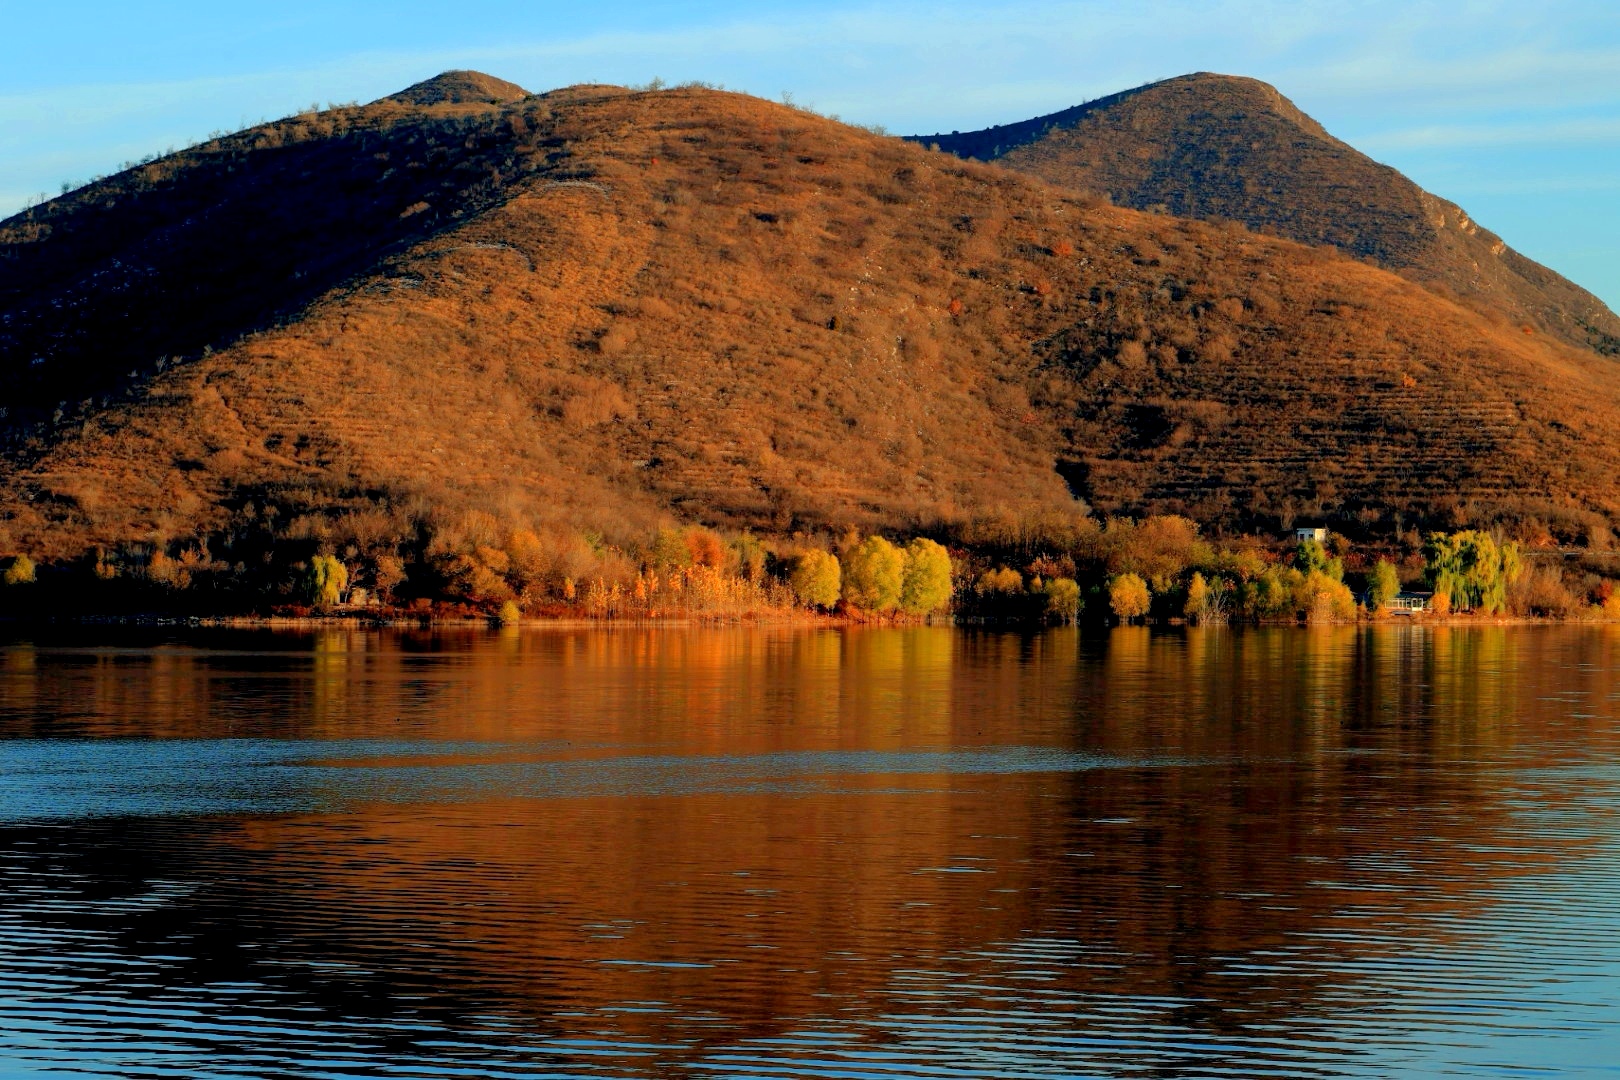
1343,791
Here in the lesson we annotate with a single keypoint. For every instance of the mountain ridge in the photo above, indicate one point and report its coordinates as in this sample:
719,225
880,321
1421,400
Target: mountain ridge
1228,147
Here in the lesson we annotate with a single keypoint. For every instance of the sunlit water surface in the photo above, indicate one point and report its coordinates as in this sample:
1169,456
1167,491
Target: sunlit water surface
785,853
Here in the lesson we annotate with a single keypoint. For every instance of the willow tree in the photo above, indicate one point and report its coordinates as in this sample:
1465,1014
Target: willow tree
874,573
816,579
1471,569
327,580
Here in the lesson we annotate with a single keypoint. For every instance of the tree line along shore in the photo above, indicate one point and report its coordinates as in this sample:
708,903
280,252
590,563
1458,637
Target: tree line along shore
1037,567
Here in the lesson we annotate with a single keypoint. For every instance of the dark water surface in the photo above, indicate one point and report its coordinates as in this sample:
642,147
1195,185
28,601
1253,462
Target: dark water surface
783,853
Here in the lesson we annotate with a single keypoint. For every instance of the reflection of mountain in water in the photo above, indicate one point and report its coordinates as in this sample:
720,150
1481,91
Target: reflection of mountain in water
1274,817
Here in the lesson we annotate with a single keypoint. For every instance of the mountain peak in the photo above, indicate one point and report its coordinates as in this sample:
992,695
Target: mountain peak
1151,105
1212,92
1231,148
459,88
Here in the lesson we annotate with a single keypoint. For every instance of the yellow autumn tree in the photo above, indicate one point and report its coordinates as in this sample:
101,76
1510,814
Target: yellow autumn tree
20,572
1062,600
1128,596
326,581
1197,598
816,578
874,573
925,583
1000,581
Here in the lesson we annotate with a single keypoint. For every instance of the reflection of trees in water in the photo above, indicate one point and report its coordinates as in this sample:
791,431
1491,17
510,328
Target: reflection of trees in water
1341,795
1353,789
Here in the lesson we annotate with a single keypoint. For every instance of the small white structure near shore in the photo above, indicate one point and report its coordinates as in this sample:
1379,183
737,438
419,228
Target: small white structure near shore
1405,602
1410,603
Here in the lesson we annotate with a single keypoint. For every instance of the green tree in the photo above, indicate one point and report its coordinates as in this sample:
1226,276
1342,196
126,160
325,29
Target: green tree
1382,585
816,578
20,572
1216,601
1128,596
1312,556
750,556
669,550
326,581
925,584
1274,593
1471,569
874,572
1062,600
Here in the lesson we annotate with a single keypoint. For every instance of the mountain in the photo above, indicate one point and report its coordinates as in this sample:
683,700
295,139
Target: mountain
459,88
456,310
1216,147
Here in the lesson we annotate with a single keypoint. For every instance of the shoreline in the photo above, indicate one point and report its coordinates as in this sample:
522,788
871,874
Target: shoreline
804,619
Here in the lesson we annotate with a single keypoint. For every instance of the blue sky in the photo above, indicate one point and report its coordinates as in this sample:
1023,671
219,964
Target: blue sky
1510,109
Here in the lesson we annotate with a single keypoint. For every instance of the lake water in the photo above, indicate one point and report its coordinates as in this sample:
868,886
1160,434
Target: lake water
1388,852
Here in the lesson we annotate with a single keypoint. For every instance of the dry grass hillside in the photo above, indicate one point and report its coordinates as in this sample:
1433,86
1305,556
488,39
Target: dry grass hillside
600,309
1216,147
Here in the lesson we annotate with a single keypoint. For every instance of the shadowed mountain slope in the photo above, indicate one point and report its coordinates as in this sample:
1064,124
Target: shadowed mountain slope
1219,147
602,307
